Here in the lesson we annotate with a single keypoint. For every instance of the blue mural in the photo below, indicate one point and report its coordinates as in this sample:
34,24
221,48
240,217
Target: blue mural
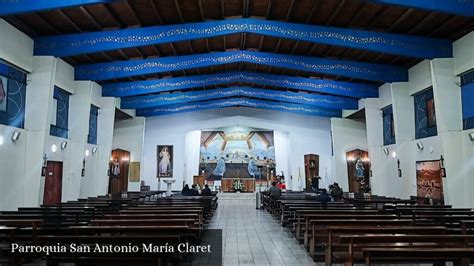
12,96
467,96
236,152
425,114
388,126
60,129
94,113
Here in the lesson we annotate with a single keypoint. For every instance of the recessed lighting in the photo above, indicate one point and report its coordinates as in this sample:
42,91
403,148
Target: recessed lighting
54,148
87,153
394,154
1,140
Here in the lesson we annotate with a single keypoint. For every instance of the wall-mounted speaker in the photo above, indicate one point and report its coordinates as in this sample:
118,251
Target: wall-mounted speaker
471,136
16,136
63,145
420,146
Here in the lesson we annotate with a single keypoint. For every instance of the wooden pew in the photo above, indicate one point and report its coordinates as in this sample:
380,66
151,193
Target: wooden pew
418,255
356,243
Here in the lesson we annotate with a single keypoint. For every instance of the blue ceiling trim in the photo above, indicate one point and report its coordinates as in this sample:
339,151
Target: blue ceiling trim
123,69
456,7
223,103
149,101
15,7
93,42
134,88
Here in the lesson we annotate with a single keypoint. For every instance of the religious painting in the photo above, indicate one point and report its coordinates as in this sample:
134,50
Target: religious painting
358,171
429,181
164,156
430,112
237,152
3,93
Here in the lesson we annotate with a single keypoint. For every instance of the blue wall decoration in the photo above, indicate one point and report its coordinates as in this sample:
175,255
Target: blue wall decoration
94,42
62,114
388,126
12,96
93,119
457,7
352,69
425,114
232,102
348,89
467,96
148,101
14,7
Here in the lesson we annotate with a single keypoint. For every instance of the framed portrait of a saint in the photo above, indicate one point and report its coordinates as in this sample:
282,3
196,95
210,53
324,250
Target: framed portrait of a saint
3,93
164,159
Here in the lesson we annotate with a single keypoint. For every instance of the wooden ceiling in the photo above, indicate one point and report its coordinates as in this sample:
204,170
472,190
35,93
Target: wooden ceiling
356,14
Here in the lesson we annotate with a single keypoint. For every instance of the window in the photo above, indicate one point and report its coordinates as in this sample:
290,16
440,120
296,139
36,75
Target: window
61,116
12,96
467,95
425,114
388,126
94,113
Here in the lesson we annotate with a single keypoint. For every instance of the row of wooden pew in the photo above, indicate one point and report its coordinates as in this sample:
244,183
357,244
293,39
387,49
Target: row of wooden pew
376,229
119,221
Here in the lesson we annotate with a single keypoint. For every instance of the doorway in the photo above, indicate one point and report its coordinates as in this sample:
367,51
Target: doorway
118,171
53,183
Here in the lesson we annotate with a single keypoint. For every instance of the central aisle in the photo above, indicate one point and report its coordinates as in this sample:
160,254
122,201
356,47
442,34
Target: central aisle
254,237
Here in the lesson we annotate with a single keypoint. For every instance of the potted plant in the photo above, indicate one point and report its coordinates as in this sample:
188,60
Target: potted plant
237,185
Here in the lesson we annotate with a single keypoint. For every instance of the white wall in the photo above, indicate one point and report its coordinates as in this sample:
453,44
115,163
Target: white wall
295,136
347,135
21,162
129,136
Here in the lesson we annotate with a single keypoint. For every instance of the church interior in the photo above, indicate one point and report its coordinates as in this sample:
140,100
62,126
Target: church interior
236,132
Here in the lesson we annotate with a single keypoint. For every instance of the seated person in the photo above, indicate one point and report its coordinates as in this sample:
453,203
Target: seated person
281,185
336,192
274,192
206,191
193,191
185,191
315,183
323,197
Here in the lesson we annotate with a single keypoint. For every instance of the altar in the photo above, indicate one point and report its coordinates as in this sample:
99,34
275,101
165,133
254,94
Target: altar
249,184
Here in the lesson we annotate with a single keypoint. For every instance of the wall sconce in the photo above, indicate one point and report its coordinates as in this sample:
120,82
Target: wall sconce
1,140
87,153
471,136
394,154
54,148
441,160
94,150
16,136
63,145
386,151
420,146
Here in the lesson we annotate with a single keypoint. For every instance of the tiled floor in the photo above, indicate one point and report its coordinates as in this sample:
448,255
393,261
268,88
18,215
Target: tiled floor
254,237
